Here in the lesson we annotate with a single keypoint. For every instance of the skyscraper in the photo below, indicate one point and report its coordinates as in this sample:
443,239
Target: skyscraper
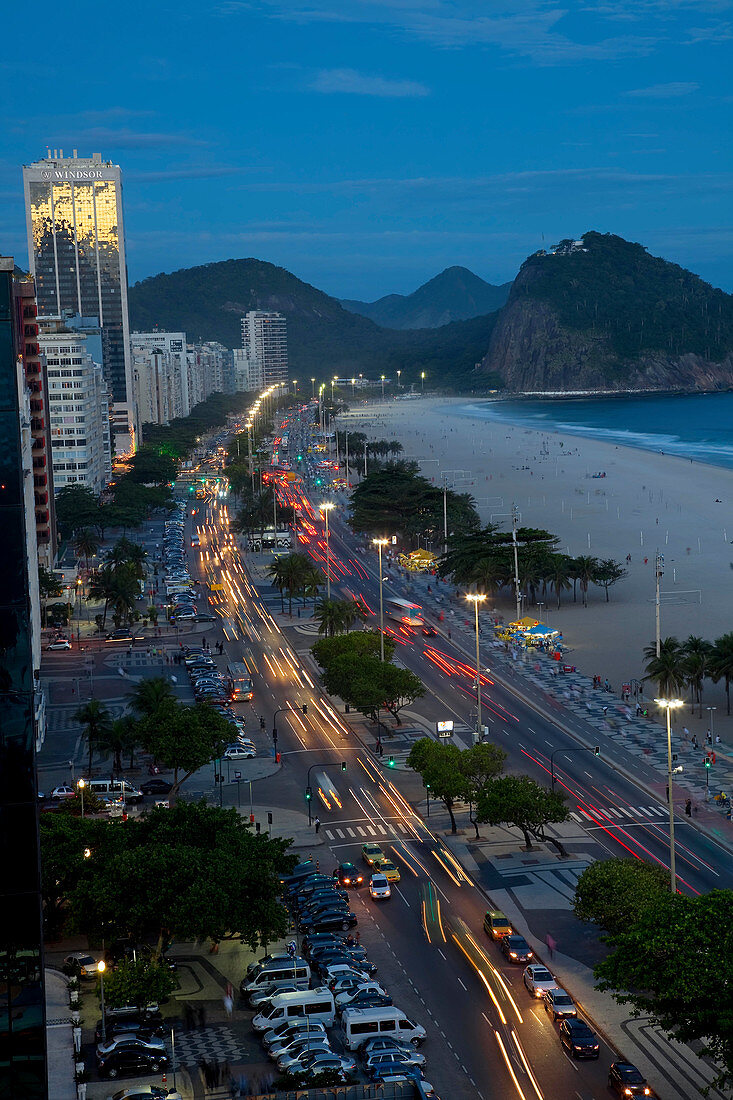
265,342
22,1009
76,251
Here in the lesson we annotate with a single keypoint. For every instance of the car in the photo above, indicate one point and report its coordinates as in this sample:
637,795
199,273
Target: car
429,631
238,752
331,939
379,887
516,948
327,922
156,786
496,924
388,869
383,1070
60,643
370,1000
348,985
558,1003
204,618
342,1064
281,1036
289,1058
131,1062
333,906
372,853
143,1026
143,1092
406,1057
184,615
578,1039
538,979
346,996
121,635
64,791
81,964
265,996
379,1044
348,875
626,1080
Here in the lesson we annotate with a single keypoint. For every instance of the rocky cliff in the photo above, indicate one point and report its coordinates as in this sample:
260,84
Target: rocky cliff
601,314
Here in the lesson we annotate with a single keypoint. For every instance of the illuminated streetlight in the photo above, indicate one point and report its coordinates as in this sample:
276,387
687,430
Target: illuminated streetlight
382,387
326,508
81,785
399,386
669,705
101,967
477,598
379,543
313,386
422,381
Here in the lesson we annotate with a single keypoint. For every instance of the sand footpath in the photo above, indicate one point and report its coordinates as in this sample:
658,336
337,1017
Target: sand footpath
645,503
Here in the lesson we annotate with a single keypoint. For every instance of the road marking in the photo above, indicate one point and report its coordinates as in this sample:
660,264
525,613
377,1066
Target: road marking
461,984
402,895
339,832
441,954
350,832
371,830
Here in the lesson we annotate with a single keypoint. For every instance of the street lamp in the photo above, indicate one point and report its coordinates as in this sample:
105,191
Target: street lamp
326,508
379,543
399,387
313,387
353,384
382,387
81,785
477,598
101,967
668,705
422,381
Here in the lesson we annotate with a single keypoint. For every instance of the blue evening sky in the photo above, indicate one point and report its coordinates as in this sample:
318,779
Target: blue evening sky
367,144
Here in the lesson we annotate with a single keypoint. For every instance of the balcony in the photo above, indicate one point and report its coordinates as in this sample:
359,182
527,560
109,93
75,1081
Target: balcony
32,351
39,462
41,517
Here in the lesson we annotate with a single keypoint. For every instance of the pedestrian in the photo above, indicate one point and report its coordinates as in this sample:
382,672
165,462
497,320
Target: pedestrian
317,823
717,738
688,807
551,944
203,642
694,741
708,738
685,734
188,1016
605,711
228,1004
201,1014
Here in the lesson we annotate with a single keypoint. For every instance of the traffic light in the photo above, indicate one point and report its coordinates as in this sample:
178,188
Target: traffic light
597,750
308,794
708,762
343,765
390,761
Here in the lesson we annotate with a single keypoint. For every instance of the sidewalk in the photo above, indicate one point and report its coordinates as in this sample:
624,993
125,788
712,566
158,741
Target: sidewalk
61,1083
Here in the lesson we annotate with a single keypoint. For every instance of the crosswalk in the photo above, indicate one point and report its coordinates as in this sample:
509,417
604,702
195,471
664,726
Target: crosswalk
366,831
652,812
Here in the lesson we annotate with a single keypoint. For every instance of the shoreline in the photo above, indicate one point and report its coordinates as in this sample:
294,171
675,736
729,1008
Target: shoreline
647,503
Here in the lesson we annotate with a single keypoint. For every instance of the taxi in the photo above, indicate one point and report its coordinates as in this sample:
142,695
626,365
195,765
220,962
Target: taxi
388,869
372,854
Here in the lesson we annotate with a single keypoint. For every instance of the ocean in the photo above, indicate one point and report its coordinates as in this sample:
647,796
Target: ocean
698,427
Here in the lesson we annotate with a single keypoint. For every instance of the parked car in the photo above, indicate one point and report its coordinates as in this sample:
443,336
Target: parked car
516,949
156,786
80,964
578,1039
348,875
131,1062
558,1004
143,1092
538,979
496,924
238,752
328,922
314,1063
63,791
626,1080
134,1024
347,996
61,643
380,1044
406,1057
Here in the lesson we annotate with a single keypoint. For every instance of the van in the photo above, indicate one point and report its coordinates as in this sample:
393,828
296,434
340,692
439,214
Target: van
277,970
310,1004
118,788
360,1024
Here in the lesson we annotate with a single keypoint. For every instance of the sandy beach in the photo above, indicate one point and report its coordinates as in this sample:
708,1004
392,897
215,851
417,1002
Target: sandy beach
646,503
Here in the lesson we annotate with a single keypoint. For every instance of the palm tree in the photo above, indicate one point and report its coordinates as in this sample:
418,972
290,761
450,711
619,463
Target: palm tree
278,574
101,588
330,616
558,574
697,658
118,738
96,720
311,584
668,669
149,695
86,545
353,612
721,662
584,569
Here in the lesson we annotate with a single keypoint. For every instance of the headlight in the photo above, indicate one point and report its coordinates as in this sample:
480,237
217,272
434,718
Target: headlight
513,954
628,1092
347,881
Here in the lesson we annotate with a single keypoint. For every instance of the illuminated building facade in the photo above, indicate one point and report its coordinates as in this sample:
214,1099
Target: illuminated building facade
265,343
76,249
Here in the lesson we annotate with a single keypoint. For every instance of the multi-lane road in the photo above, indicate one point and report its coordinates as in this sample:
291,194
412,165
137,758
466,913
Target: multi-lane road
487,1037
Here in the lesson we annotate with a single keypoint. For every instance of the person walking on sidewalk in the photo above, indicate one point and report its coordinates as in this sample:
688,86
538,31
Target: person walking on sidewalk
317,823
688,807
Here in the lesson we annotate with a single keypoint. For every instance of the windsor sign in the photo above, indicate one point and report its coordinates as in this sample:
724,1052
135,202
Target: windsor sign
72,174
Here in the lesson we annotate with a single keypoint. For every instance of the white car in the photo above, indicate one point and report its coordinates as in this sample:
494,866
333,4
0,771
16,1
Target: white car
379,887
64,791
538,979
61,643
343,999
239,752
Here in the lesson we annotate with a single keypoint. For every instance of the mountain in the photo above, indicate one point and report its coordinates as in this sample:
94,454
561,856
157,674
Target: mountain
602,314
454,295
324,339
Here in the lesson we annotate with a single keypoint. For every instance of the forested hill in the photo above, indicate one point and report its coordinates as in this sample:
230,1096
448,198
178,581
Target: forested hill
207,303
601,313
454,295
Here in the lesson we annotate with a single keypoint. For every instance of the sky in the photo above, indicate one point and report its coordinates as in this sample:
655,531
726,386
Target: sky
365,145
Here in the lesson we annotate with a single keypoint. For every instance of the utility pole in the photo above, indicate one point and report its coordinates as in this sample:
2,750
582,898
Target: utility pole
445,515
379,544
516,563
658,573
347,459
366,446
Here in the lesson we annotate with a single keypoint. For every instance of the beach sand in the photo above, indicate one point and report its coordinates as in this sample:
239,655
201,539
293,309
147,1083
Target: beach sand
646,503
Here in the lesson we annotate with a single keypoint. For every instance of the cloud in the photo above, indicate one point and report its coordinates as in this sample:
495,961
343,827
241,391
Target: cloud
674,90
124,138
187,172
351,82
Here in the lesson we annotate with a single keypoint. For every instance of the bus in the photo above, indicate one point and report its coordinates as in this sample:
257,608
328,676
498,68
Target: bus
239,681
403,612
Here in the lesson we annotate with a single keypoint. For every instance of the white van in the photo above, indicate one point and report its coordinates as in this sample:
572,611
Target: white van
118,788
274,971
311,1004
360,1024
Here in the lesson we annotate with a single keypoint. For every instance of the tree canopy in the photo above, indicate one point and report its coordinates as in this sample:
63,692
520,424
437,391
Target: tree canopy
353,670
520,803
394,499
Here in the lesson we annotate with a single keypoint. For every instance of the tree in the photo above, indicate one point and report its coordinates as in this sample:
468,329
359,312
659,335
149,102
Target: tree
355,646
183,738
479,764
558,574
671,965
721,662
76,506
520,803
584,570
138,982
290,573
96,721
613,893
151,466
329,614
48,583
371,685
696,663
440,767
608,572
120,736
668,669
86,544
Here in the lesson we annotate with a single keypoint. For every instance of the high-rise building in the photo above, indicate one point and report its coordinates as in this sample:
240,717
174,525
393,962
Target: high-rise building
173,347
37,385
78,403
265,342
76,251
23,1061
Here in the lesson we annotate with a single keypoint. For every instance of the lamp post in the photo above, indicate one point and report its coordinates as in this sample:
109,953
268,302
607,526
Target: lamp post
711,711
353,385
399,385
79,583
326,508
295,383
313,387
668,705
477,598
379,543
382,387
422,381
101,967
81,785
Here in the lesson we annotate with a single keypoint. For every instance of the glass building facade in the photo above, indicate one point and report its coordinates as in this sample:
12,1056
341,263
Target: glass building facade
76,248
22,1008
